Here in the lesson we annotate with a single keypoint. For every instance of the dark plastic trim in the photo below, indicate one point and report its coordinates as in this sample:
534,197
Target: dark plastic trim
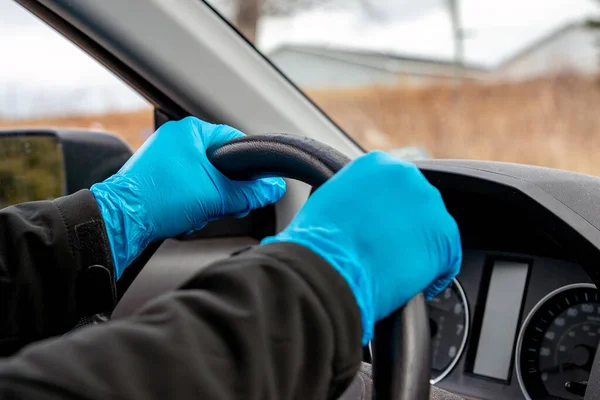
579,240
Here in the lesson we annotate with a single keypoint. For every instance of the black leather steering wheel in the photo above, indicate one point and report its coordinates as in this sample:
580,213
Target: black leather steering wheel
401,361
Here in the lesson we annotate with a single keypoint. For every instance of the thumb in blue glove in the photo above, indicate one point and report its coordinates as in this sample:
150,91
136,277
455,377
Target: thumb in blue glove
385,229
169,187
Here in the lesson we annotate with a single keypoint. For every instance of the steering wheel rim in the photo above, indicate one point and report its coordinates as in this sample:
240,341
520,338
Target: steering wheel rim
401,362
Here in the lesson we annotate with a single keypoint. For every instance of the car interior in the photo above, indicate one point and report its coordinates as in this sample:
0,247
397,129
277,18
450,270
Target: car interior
521,320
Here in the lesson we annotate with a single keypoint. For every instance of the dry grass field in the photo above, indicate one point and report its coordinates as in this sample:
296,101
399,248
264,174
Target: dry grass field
552,122
133,127
549,122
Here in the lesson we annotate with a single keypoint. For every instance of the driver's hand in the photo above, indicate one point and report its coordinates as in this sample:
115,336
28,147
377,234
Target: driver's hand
169,187
385,229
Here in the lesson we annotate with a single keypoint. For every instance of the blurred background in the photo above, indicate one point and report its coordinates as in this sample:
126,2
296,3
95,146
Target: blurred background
510,80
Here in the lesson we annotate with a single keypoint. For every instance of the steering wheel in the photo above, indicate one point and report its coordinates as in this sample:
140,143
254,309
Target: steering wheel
401,348
401,362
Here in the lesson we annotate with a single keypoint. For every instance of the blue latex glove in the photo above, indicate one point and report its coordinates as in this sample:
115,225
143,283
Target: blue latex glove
168,187
385,229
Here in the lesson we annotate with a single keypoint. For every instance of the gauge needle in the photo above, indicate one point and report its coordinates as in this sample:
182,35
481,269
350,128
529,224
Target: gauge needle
439,306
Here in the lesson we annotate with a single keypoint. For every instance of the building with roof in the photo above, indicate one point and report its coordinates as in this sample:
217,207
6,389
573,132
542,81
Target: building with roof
334,67
572,47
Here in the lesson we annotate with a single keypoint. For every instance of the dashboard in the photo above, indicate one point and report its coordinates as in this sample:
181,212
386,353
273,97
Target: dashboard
514,326
522,319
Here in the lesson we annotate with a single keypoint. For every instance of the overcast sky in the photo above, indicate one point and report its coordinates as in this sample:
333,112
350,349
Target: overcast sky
41,61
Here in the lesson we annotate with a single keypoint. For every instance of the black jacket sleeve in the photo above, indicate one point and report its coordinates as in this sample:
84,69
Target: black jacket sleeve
275,322
55,267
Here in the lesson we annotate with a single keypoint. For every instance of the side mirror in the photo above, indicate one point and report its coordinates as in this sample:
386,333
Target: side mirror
41,164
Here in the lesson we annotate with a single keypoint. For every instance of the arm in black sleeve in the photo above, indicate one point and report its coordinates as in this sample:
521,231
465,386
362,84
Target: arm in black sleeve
55,267
275,322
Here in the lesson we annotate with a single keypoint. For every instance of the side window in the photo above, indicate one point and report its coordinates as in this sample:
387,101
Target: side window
48,82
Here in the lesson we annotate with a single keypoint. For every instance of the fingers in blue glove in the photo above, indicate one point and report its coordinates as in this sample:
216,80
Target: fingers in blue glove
168,187
385,229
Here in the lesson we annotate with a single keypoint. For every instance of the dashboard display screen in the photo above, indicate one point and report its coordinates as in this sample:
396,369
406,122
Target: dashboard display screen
499,326
31,168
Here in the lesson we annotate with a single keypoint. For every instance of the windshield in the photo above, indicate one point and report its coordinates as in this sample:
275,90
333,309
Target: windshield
511,80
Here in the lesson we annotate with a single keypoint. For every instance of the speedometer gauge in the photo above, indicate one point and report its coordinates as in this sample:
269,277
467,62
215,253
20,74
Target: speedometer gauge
449,328
558,341
449,323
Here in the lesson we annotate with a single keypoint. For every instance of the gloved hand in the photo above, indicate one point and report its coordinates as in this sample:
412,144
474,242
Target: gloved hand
385,229
168,187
